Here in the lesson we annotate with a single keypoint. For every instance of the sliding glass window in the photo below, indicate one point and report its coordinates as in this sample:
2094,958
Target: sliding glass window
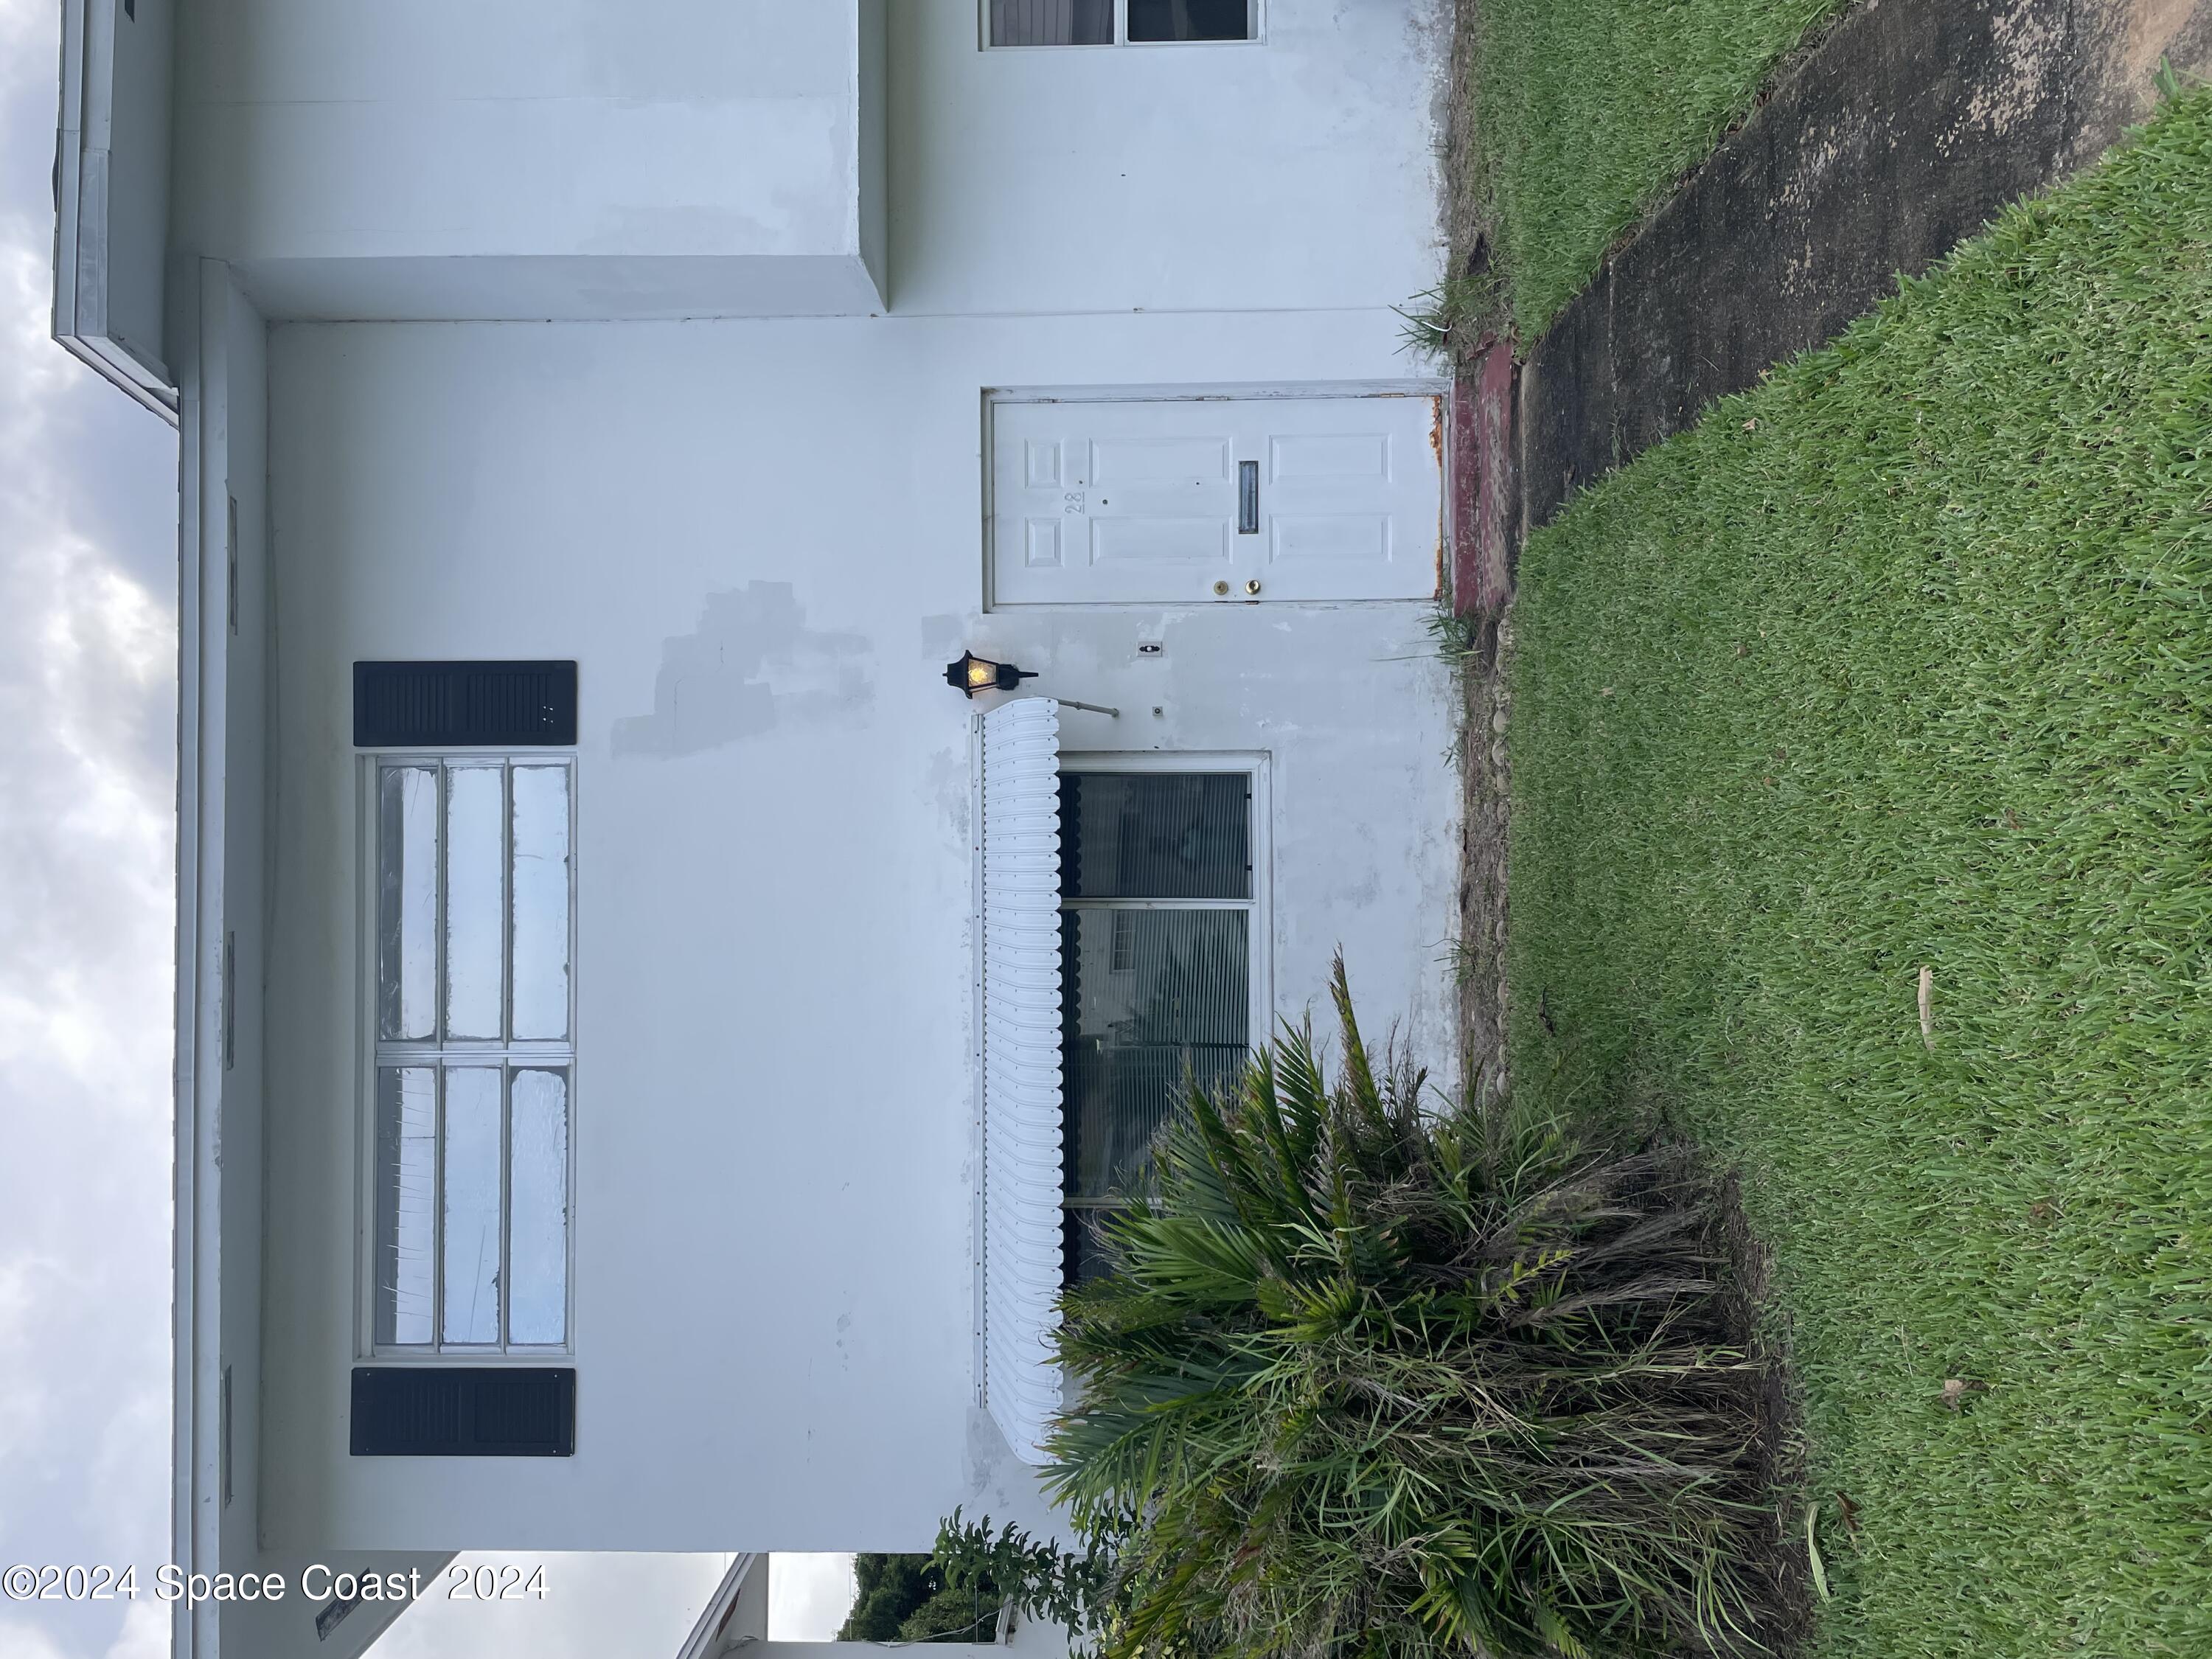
1117,22
1156,949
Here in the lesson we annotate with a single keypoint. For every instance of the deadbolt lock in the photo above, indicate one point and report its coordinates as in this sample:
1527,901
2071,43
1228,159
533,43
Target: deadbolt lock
1220,589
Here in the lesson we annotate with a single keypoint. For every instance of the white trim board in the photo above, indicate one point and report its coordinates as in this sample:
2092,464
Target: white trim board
202,640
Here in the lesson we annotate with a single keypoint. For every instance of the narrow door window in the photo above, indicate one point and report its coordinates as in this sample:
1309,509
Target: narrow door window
1156,950
471,1013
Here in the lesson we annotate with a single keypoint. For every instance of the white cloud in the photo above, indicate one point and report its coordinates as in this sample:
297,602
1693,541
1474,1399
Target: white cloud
595,1606
809,1597
87,728
145,1633
87,513
88,642
20,1639
22,23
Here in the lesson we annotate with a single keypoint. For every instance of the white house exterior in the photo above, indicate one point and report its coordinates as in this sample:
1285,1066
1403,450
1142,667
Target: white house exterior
733,367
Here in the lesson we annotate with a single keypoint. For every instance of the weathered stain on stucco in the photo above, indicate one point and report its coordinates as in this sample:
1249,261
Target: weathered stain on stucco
948,782
943,633
752,663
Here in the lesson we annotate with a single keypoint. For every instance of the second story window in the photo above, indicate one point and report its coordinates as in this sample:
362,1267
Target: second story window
1117,22
471,1015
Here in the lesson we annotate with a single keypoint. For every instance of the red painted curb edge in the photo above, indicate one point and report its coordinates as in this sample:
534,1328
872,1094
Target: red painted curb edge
1483,482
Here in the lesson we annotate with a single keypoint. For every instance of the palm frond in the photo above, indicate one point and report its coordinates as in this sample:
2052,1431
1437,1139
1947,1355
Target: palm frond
1379,1374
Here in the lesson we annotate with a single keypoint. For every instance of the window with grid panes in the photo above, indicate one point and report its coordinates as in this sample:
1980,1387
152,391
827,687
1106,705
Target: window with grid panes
472,1018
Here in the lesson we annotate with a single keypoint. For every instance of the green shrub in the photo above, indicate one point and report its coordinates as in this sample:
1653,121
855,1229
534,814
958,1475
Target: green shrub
907,1598
1370,1380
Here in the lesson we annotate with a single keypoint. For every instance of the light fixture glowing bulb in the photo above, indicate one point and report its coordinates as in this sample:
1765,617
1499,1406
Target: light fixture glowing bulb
973,673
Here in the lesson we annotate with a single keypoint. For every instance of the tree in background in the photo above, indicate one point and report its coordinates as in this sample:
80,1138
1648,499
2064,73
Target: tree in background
904,1598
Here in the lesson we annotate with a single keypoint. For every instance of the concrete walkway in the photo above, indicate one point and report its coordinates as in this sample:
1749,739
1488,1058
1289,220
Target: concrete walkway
1898,136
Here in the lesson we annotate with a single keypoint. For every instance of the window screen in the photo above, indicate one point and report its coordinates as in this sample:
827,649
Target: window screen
1051,22
1190,20
1156,835
1156,973
1108,22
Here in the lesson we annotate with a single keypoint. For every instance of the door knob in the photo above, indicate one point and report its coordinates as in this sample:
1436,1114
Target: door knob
1252,586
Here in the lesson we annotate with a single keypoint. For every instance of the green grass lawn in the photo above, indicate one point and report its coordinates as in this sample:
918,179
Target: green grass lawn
1903,660
1587,112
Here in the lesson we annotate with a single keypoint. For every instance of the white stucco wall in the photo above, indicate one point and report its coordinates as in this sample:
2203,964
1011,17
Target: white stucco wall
1297,172
761,541
554,157
677,158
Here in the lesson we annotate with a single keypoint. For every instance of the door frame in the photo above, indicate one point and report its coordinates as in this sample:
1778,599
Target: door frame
1422,386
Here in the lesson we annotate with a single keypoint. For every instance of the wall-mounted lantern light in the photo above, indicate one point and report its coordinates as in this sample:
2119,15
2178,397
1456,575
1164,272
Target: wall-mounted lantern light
973,673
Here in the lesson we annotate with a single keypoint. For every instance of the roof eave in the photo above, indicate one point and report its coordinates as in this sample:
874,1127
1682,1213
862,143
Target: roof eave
83,321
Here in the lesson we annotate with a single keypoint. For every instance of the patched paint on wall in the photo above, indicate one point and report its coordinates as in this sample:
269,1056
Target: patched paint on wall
762,541
751,662
774,1102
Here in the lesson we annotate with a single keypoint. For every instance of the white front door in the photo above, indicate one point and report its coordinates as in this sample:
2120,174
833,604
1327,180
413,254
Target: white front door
1208,500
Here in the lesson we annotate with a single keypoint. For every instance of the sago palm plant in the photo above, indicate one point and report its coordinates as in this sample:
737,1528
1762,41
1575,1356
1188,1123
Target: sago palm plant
1372,1380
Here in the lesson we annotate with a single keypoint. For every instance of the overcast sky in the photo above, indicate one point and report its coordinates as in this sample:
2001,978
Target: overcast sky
87,742
88,716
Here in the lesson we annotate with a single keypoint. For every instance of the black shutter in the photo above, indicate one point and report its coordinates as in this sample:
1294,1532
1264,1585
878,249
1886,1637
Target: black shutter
445,1411
450,705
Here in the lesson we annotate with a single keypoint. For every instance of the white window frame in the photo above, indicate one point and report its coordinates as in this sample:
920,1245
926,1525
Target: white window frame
440,1052
1253,766
1121,32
